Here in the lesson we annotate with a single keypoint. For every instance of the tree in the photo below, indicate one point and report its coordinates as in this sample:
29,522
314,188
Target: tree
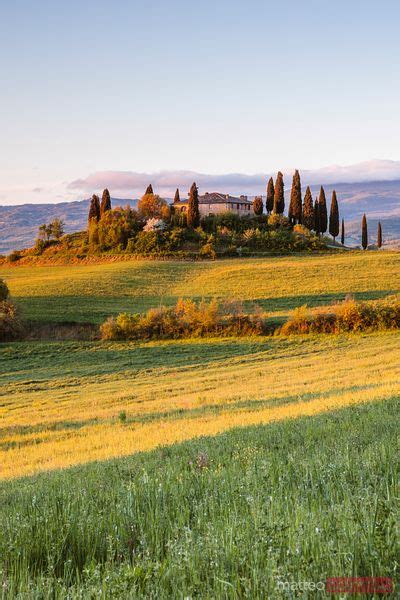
379,236
193,214
44,232
364,232
322,211
269,203
334,217
149,190
308,210
57,228
279,195
94,210
177,197
295,206
151,206
317,227
117,226
258,206
105,202
342,233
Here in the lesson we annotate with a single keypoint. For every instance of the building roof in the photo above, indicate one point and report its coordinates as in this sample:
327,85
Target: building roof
218,198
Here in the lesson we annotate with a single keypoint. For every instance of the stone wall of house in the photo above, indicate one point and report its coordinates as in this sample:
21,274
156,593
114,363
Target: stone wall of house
219,208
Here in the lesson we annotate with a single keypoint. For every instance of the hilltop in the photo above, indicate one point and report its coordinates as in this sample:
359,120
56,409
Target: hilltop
380,200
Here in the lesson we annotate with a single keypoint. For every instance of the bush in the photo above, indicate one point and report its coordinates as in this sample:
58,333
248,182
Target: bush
348,316
14,256
10,324
186,319
4,293
208,251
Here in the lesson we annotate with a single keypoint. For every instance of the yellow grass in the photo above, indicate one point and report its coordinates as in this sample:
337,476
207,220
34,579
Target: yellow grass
57,415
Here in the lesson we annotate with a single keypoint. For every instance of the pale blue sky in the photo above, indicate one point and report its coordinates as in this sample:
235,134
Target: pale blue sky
216,87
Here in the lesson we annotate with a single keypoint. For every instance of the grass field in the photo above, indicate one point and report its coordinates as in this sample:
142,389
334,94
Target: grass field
61,401
239,515
90,293
303,485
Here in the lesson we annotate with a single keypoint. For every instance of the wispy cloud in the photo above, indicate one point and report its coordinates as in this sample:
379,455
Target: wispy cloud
165,182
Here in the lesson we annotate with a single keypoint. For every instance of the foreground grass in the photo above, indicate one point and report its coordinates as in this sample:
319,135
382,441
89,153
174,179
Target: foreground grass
223,517
60,403
90,293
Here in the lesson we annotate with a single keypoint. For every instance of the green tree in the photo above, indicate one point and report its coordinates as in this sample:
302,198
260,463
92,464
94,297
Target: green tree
269,203
149,190
105,202
94,209
317,226
334,217
279,195
342,233
322,211
379,236
117,227
295,206
44,232
193,214
177,197
258,206
57,228
364,232
308,210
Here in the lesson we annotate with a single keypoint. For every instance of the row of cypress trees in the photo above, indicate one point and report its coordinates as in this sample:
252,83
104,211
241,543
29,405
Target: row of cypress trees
97,208
364,234
312,215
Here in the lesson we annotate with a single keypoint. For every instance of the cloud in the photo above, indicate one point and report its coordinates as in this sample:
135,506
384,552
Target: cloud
165,182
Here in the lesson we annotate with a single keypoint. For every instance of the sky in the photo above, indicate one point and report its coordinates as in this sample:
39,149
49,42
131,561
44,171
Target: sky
163,90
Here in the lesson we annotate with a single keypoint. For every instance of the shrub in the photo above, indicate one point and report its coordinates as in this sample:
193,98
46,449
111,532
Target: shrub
186,319
14,256
348,316
208,251
4,293
10,325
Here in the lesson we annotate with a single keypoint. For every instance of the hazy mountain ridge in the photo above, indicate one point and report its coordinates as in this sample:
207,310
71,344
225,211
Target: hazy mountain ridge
380,200
19,224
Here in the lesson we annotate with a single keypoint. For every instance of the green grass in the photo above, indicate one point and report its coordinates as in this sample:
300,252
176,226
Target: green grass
221,517
90,293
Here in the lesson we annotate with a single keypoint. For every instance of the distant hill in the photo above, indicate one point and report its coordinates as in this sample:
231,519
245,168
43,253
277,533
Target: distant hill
19,224
380,200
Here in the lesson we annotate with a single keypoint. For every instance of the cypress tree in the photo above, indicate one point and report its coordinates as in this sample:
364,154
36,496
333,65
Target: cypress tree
342,234
149,189
177,197
334,217
258,206
308,210
193,214
379,237
295,206
322,211
317,227
269,203
364,232
94,210
105,202
279,195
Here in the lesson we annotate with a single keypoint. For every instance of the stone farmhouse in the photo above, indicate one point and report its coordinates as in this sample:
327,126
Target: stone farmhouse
215,203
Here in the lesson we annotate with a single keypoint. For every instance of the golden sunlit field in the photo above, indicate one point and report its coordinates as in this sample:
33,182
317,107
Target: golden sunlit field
65,403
